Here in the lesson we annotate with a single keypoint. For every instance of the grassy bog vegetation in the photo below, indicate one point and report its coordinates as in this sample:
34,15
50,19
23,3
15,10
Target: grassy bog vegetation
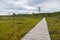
14,27
54,27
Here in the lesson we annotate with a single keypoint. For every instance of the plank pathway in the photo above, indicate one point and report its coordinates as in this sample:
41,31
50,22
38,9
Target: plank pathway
39,32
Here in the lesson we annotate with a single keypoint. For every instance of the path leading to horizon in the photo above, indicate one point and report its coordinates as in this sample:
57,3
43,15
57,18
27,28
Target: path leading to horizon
39,32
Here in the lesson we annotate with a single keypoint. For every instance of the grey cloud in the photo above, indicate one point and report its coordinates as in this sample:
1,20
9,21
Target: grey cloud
35,2
11,6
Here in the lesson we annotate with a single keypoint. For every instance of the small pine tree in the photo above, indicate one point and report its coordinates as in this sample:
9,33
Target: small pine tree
14,14
39,9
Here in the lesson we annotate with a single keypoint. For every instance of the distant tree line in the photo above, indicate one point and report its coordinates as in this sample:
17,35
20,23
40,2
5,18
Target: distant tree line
38,14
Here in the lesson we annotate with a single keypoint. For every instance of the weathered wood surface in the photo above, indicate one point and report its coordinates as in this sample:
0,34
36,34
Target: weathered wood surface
39,32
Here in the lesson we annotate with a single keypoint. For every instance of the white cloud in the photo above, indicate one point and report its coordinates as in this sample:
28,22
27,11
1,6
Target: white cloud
49,6
21,3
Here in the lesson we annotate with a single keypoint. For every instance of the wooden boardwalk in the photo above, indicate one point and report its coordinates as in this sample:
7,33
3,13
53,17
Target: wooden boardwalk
39,32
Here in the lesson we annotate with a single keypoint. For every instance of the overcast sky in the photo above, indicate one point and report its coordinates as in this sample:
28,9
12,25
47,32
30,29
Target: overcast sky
28,6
